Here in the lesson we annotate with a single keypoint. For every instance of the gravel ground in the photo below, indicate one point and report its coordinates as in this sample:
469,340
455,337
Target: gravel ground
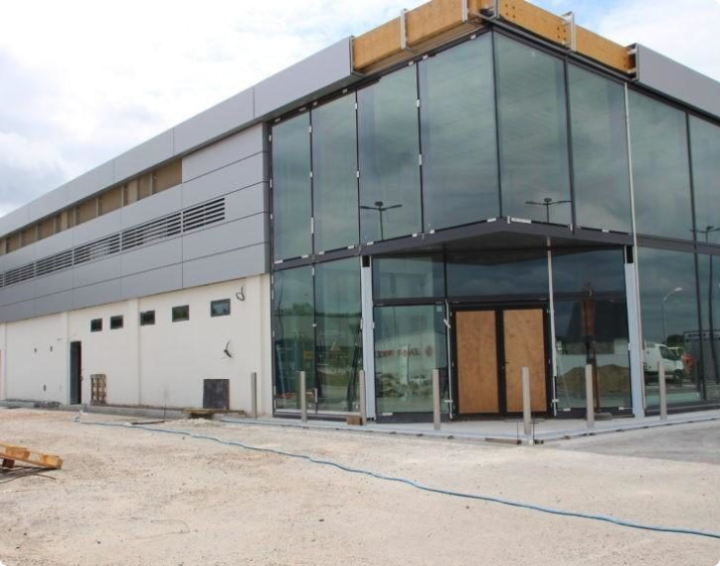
137,498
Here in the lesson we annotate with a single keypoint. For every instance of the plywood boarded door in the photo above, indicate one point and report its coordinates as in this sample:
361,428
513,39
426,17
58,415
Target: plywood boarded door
477,362
524,334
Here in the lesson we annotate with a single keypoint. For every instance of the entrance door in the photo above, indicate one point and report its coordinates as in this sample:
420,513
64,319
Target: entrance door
493,346
75,373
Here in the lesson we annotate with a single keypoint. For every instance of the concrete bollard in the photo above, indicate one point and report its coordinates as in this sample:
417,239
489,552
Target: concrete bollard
253,395
362,398
303,397
662,386
527,404
589,397
436,399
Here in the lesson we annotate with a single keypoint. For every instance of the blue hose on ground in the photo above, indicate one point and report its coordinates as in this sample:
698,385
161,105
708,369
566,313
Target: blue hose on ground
416,485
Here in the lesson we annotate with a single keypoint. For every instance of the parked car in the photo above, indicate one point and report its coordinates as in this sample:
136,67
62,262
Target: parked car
674,366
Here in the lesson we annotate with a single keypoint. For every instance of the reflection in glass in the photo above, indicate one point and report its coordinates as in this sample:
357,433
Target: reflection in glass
292,199
661,172
710,337
409,277
591,327
335,195
294,335
410,342
705,141
493,275
339,338
600,151
459,144
533,133
670,324
389,147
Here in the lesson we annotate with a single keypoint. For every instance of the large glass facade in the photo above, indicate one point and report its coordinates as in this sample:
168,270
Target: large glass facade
591,328
532,113
389,149
409,277
708,341
335,184
600,151
292,198
668,297
459,146
705,140
661,169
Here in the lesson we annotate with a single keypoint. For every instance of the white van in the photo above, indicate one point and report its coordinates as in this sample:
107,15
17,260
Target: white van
674,367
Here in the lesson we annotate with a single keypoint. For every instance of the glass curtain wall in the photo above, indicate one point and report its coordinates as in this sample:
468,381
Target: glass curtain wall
533,125
389,149
705,140
661,169
292,196
670,322
708,341
600,151
591,327
459,143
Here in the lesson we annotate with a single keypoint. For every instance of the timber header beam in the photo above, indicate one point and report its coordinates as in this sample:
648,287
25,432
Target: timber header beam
440,21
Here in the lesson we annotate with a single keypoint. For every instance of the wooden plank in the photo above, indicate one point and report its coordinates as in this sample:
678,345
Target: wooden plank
432,19
534,19
604,51
12,453
378,44
477,362
524,333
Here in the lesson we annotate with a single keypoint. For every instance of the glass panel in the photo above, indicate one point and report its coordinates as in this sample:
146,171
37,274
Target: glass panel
495,275
533,133
339,337
705,141
591,327
600,152
661,173
220,308
410,342
335,190
669,309
709,340
408,277
460,179
292,202
294,337
389,148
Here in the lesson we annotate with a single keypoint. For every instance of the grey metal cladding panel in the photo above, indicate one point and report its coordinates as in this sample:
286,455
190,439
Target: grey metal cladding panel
97,228
18,258
91,182
54,283
14,220
327,67
225,237
18,311
226,267
153,282
18,293
99,294
678,81
54,244
97,271
222,153
160,204
53,304
214,122
247,202
152,257
144,156
245,173
48,204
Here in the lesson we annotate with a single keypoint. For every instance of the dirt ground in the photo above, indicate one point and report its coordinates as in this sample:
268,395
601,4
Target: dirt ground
138,498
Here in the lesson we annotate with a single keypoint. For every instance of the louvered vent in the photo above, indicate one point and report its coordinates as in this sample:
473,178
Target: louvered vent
152,231
96,250
20,274
54,263
204,215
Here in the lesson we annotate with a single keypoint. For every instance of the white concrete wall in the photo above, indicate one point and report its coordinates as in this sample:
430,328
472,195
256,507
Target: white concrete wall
159,365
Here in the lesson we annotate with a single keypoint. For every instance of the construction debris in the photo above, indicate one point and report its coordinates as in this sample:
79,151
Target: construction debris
10,454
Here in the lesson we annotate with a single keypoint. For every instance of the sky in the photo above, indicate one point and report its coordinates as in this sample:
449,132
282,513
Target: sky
81,83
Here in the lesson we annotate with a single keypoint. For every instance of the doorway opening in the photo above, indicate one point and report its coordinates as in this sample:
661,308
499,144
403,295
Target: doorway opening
75,373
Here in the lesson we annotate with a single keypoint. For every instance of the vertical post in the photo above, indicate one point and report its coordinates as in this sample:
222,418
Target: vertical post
253,395
303,397
436,398
527,404
589,396
363,397
662,386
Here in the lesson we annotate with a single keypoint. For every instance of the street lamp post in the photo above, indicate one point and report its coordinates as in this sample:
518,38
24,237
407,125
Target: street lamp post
547,202
665,298
381,209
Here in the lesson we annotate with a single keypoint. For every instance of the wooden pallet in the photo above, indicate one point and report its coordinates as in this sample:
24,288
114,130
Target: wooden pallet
10,454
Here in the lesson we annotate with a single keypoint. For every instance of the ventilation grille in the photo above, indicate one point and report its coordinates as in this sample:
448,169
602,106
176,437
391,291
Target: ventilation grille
135,237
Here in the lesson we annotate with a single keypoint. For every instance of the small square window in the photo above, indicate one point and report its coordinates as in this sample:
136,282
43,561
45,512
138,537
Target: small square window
116,322
147,318
181,314
96,325
220,308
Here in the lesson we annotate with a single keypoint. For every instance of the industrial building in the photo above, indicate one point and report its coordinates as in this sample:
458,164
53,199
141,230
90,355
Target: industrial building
474,187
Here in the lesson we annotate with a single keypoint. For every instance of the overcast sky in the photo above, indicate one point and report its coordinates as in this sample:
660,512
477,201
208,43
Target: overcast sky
80,82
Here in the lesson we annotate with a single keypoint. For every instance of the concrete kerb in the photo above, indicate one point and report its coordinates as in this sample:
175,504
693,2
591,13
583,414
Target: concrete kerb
135,412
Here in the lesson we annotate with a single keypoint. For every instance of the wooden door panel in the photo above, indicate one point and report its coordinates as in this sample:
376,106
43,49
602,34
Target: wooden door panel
524,333
477,362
